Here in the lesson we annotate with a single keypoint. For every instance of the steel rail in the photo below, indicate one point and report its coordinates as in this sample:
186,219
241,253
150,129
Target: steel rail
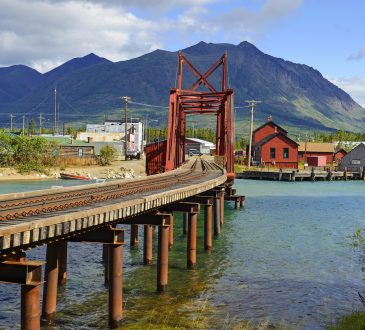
25,207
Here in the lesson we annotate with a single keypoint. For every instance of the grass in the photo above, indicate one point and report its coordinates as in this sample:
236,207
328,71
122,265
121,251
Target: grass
354,321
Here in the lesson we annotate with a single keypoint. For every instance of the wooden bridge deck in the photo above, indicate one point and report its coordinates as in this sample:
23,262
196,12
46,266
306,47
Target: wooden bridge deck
25,232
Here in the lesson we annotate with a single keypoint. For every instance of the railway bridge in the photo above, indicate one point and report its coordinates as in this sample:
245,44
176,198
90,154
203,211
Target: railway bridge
99,213
95,213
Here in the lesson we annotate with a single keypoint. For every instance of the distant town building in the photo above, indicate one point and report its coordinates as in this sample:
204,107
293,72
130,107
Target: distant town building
339,154
313,149
70,151
355,159
113,131
201,146
272,146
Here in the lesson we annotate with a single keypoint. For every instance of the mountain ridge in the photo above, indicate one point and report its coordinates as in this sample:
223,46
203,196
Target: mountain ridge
295,94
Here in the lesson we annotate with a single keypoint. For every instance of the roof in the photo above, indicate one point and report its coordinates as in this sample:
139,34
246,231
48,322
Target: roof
207,143
268,123
271,136
316,147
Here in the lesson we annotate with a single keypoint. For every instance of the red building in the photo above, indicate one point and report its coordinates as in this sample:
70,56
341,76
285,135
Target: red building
272,146
338,155
310,149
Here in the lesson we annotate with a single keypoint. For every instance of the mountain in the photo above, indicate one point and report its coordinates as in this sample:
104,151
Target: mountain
17,81
74,65
296,95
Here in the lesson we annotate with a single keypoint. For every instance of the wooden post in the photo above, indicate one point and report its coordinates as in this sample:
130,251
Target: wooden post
163,258
147,245
217,213
208,215
191,246
62,272
30,307
345,174
51,281
134,235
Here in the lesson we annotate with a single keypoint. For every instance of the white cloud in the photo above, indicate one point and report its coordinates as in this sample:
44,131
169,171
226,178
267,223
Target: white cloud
355,86
46,33
43,34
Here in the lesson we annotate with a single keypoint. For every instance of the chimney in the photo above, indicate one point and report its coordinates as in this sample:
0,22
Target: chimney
276,129
269,118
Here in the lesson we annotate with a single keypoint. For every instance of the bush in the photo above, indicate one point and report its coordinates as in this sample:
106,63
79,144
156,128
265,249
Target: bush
106,156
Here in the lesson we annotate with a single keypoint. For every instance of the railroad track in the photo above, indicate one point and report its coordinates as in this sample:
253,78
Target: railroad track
22,207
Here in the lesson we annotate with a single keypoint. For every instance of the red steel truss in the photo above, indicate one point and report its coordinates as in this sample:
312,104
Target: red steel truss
185,102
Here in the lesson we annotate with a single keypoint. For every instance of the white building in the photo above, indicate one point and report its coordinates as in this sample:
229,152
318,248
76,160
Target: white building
202,146
114,131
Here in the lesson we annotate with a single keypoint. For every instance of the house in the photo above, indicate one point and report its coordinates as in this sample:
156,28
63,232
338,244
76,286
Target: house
266,129
313,149
338,155
355,159
272,146
277,150
72,152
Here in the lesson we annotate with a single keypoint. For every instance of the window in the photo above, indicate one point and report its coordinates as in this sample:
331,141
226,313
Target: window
80,152
355,162
286,153
272,153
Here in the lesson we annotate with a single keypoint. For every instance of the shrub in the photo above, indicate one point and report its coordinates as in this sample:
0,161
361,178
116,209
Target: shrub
106,156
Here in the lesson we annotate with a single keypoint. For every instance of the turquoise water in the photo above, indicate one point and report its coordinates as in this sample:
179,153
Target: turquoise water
284,258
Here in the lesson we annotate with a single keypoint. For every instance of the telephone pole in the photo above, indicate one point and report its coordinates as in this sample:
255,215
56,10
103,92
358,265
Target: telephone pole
23,130
252,104
11,122
40,123
126,99
55,112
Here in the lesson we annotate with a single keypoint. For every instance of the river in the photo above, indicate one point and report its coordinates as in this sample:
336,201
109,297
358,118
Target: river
285,258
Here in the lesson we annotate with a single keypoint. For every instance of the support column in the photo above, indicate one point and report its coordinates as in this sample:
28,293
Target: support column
147,244
115,284
106,263
171,231
134,235
217,213
62,272
51,282
30,307
191,246
163,258
222,209
185,223
208,211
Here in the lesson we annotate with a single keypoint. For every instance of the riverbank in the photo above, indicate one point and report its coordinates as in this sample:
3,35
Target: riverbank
117,170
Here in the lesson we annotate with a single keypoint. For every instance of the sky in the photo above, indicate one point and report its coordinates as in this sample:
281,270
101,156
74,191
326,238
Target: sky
328,35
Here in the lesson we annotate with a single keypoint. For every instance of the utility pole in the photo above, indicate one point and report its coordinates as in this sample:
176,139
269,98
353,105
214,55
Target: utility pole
126,99
23,130
11,122
252,104
55,112
40,123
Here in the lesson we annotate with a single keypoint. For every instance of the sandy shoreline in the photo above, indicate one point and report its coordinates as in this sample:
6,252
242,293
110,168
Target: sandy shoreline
118,170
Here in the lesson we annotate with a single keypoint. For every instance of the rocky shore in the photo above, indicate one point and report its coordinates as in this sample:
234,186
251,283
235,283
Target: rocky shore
118,170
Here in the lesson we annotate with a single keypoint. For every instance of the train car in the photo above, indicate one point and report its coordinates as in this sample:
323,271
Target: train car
156,157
